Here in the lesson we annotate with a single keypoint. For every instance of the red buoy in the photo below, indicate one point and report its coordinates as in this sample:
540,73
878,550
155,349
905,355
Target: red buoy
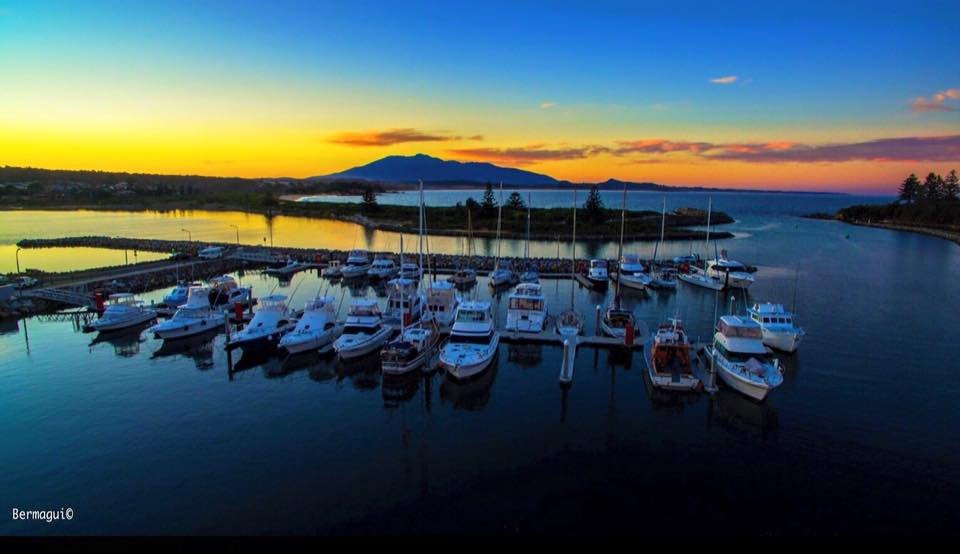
98,299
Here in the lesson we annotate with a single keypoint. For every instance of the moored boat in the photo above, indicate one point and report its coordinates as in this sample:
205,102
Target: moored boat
441,306
364,331
598,273
526,309
740,358
195,317
358,264
316,328
473,341
778,325
669,363
270,322
123,310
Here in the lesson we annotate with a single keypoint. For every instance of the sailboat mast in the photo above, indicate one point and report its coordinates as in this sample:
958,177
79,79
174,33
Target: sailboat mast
499,214
526,247
403,314
663,222
420,261
623,216
709,210
573,247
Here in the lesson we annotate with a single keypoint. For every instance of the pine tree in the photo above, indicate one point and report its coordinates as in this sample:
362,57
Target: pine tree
489,205
593,206
931,186
910,189
951,185
515,201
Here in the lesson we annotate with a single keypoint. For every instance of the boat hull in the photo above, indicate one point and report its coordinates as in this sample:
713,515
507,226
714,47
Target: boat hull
188,329
787,342
126,323
706,283
299,344
667,382
460,370
357,350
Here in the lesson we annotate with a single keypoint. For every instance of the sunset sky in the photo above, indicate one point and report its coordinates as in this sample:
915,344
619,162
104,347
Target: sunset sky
801,96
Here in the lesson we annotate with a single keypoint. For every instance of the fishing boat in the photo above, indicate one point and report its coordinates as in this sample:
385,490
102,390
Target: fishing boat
598,273
195,317
364,331
502,273
526,309
632,273
473,341
358,264
409,351
316,328
271,321
383,268
778,326
225,291
569,324
442,302
618,322
404,302
123,310
739,356
333,270
731,273
667,353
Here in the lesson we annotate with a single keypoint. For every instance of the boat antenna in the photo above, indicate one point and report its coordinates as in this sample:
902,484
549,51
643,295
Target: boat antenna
573,248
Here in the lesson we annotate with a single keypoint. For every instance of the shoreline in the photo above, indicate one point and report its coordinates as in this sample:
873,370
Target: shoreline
953,236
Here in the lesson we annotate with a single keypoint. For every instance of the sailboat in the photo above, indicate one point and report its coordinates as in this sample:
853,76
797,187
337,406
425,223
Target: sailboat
414,345
501,275
662,276
690,273
531,275
466,275
569,322
618,322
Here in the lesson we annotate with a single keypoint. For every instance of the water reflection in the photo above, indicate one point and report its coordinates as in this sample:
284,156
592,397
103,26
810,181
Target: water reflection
125,342
473,394
735,412
363,372
198,348
525,354
399,389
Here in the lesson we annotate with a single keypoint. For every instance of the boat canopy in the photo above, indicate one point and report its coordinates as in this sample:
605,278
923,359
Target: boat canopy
739,327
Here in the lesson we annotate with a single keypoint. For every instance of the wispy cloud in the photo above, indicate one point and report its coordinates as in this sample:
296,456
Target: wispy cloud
393,136
657,146
727,80
547,105
521,155
937,102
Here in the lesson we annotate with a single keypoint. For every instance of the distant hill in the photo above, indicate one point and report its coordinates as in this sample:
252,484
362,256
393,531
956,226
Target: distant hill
407,169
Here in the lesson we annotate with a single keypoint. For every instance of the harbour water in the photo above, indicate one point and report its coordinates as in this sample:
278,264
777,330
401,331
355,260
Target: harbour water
864,436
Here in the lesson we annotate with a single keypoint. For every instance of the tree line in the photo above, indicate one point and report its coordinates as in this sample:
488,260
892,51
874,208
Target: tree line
934,187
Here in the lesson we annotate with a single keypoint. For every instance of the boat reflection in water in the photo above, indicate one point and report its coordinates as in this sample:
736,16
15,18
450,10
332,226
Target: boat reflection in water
401,388
125,342
363,372
198,347
471,394
525,354
736,412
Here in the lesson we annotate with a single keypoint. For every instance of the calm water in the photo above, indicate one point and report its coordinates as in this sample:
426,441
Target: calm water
864,435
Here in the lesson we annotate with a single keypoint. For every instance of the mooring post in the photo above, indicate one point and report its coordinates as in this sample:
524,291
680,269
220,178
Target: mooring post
596,328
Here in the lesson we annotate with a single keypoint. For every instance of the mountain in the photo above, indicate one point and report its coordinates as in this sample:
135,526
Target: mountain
407,169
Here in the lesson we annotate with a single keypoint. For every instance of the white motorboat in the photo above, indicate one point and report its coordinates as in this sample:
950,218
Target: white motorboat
598,273
292,266
531,275
663,277
632,274
225,291
211,253
404,302
526,309
669,364
464,276
698,277
333,270
409,351
383,268
270,322
411,270
358,264
779,328
316,328
442,302
195,317
739,356
364,331
731,273
178,295
123,310
473,341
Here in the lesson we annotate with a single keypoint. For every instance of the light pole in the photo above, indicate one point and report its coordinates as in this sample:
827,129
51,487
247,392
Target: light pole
17,255
238,233
189,236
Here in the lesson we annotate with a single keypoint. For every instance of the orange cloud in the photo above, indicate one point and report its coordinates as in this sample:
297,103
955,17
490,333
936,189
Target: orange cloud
937,102
392,136
520,155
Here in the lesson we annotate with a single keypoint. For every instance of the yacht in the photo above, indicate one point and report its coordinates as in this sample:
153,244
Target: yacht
316,328
732,274
195,317
364,331
632,273
178,295
777,324
502,275
292,266
663,277
123,310
442,304
739,356
271,321
696,276
383,268
531,275
409,351
598,273
333,270
411,270
225,291
465,276
669,364
211,253
526,309
358,264
404,302
473,341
